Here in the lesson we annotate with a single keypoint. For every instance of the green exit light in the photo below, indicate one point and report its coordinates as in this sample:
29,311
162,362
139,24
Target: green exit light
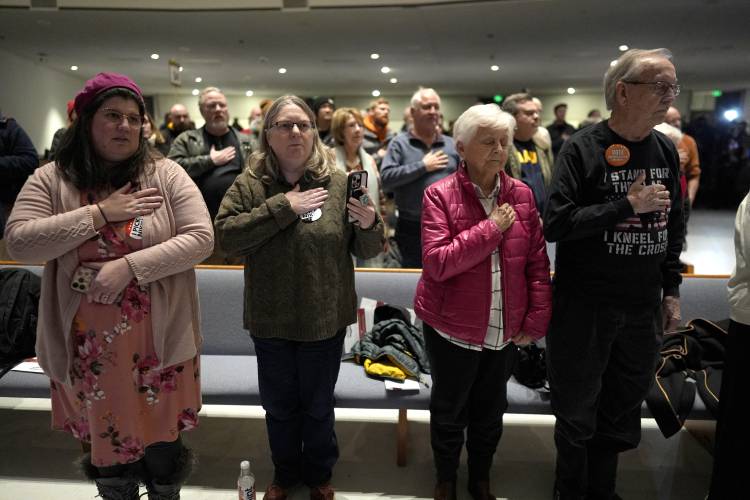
716,93
498,98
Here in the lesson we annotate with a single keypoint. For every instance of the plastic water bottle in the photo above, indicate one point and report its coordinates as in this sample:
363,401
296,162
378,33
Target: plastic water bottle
246,482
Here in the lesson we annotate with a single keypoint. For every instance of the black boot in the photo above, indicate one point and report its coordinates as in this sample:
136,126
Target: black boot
122,487
602,474
445,490
168,487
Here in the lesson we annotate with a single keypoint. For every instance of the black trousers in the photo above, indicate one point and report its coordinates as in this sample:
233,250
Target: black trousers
296,381
601,360
159,461
409,239
732,434
468,395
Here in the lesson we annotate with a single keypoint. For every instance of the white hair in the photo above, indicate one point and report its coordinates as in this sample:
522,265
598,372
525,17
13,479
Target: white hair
629,67
416,99
483,115
670,131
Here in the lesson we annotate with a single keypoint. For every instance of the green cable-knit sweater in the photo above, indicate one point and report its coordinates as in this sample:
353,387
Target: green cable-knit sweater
299,277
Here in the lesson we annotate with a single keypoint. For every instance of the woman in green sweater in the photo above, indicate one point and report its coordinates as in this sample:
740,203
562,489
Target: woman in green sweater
287,215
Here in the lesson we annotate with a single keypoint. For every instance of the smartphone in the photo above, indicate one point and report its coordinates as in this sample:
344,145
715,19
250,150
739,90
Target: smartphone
82,278
356,187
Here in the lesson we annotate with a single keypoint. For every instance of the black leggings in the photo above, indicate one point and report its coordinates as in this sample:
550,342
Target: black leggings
159,461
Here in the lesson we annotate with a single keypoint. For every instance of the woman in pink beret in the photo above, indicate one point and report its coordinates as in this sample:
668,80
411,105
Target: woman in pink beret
118,330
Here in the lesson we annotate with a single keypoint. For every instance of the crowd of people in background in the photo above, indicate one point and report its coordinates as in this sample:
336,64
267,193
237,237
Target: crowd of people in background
715,155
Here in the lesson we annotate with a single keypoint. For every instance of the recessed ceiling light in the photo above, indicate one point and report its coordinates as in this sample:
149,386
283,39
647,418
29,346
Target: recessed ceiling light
495,67
249,93
385,69
196,91
74,68
374,56
571,90
613,62
181,69
394,80
623,48
282,70
376,93
198,79
154,56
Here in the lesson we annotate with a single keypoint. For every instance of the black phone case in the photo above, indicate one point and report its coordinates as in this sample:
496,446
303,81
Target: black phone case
352,192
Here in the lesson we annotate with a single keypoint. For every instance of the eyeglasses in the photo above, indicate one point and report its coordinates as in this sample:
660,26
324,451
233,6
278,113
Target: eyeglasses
115,117
660,88
288,127
427,106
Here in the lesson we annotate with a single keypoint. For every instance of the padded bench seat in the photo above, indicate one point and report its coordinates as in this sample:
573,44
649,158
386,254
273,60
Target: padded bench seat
229,365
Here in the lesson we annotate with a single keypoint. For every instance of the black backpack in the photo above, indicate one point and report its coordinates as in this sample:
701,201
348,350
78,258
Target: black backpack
531,367
19,303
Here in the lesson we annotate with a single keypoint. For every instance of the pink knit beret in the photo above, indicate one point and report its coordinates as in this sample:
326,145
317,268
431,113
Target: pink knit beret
100,83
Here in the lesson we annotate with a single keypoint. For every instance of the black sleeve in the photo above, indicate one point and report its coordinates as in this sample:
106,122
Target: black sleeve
18,157
566,216
672,267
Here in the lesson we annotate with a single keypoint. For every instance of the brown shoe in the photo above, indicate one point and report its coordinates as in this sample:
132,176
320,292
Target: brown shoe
322,492
445,491
275,492
481,491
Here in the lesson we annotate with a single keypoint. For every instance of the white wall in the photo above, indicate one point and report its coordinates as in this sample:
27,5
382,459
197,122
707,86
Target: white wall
579,105
36,96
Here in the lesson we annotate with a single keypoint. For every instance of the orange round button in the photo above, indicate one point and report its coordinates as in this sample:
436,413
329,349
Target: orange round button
617,155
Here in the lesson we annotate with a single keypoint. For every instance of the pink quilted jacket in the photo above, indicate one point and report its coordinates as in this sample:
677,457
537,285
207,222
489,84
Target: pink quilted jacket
454,292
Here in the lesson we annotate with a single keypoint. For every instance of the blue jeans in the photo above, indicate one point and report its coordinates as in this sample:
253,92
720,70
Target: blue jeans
296,382
409,239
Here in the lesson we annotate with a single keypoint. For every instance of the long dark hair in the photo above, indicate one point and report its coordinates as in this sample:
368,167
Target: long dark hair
81,166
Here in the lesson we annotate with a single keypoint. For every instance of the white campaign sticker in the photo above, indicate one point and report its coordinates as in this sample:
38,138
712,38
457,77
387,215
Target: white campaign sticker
136,228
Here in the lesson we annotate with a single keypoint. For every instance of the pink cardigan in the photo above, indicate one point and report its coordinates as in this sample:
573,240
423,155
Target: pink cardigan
458,239
48,224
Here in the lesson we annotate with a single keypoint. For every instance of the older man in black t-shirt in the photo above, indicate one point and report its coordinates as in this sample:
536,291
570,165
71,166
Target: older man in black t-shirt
615,211
213,155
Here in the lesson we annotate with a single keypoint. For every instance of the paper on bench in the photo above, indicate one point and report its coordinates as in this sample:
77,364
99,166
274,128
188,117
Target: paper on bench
29,366
406,385
369,305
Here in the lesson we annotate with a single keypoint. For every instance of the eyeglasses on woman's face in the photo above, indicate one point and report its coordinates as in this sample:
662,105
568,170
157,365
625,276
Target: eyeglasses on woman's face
115,117
287,127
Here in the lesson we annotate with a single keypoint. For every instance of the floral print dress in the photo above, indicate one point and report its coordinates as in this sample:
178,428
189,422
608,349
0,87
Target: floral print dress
119,402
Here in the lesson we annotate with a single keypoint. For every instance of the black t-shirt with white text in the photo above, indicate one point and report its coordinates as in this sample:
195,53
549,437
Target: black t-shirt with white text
605,250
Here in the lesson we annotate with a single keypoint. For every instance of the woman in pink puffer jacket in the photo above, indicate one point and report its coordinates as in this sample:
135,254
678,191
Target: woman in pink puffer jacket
485,288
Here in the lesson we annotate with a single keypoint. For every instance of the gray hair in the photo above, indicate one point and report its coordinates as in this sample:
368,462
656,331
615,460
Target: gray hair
417,97
483,115
629,66
510,104
204,92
